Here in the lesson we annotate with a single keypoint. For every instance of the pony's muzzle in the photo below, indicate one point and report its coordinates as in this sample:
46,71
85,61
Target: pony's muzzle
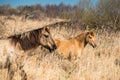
54,47
94,46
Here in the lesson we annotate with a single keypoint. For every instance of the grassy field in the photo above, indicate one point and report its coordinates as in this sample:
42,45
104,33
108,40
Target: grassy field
101,63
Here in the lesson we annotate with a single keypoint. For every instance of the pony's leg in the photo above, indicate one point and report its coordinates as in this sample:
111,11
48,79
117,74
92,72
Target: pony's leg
5,65
11,70
11,75
20,64
23,75
22,72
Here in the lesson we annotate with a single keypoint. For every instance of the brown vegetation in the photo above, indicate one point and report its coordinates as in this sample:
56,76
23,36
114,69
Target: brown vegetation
103,14
102,63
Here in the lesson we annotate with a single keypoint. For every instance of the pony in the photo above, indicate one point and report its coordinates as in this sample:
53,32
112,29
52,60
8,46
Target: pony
13,49
72,48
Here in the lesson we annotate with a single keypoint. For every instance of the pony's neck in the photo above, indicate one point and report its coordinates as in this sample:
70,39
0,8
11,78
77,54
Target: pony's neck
82,39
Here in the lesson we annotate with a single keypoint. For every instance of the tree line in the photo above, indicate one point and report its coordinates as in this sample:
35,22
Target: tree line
102,14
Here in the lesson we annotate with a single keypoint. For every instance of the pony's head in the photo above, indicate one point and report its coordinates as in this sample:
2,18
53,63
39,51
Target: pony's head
90,38
46,40
32,39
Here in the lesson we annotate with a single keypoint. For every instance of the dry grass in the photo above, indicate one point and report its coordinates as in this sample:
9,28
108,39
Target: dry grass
11,25
102,63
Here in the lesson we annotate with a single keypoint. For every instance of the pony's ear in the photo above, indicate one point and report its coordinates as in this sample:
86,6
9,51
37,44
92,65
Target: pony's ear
45,28
87,33
92,33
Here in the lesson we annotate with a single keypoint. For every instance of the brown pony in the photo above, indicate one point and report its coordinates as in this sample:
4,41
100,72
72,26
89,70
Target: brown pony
73,47
16,46
33,39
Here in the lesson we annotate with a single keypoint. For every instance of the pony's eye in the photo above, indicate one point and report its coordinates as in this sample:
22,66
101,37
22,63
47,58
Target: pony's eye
46,36
90,37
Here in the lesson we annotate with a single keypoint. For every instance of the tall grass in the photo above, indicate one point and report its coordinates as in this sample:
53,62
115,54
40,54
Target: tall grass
101,63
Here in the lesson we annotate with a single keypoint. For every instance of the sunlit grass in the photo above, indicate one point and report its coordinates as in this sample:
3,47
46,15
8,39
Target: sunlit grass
101,63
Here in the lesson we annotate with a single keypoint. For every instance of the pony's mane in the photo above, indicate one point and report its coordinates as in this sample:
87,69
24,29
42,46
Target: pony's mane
81,37
26,40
